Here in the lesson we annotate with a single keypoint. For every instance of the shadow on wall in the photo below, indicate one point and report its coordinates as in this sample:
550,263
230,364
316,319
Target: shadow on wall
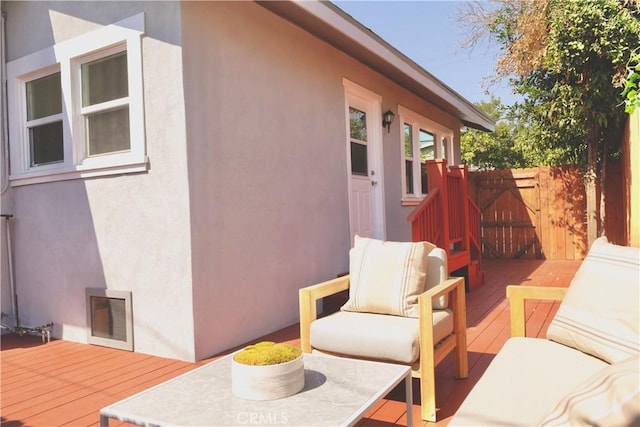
55,256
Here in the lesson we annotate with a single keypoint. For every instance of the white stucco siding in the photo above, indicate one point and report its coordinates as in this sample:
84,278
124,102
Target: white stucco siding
127,232
267,169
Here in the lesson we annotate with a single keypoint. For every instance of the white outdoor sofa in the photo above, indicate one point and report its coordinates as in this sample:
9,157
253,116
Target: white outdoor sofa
587,370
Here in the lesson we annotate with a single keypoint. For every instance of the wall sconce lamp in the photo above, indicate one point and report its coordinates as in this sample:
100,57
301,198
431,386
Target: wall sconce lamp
387,119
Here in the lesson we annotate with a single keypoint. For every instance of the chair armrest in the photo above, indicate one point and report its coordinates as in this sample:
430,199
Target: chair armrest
442,289
308,298
455,288
519,294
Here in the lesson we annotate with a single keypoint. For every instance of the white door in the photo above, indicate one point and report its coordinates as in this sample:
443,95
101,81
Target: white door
364,148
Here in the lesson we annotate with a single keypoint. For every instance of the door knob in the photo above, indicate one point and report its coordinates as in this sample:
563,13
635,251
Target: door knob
374,183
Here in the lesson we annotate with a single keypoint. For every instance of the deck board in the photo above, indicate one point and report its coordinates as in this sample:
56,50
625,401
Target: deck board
64,383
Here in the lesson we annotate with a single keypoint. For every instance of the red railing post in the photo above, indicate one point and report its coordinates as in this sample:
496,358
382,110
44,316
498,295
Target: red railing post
437,178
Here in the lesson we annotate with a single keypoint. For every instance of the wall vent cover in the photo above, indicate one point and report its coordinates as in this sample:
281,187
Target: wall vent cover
110,318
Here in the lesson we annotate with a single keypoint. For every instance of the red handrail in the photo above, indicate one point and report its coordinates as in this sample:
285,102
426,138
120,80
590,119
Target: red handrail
447,217
426,220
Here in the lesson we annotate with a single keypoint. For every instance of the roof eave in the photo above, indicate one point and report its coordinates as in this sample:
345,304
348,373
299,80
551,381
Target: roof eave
329,23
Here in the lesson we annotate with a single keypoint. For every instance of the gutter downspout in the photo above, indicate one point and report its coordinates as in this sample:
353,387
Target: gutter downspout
4,143
4,118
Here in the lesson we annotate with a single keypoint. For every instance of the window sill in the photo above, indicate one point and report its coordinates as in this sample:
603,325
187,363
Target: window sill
412,201
40,177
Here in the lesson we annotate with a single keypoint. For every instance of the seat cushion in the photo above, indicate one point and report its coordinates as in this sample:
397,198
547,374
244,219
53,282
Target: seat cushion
600,313
386,277
611,397
525,380
375,336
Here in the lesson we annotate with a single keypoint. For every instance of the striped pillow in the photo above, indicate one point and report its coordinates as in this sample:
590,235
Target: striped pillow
610,398
387,277
600,313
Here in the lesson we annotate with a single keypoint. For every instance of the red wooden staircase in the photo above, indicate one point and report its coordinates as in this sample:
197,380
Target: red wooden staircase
448,218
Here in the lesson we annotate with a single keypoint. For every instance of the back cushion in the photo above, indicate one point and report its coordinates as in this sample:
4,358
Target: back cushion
437,272
387,277
611,397
600,315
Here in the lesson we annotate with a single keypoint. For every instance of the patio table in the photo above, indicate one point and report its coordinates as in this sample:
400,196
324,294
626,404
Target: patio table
337,391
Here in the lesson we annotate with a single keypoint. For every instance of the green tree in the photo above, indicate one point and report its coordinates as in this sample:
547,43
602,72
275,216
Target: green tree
568,58
631,91
496,150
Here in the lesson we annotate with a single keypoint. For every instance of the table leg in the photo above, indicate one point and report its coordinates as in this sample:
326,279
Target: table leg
409,393
104,421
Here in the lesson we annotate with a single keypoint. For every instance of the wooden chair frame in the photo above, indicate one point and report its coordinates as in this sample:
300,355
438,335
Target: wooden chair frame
517,297
431,354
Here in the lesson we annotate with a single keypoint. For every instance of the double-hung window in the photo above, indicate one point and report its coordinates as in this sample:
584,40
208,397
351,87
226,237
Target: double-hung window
78,107
44,120
105,104
423,140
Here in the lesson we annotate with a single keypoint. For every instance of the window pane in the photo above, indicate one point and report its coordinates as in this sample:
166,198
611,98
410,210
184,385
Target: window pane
359,159
423,177
408,140
46,143
105,79
107,316
358,124
44,97
108,131
409,176
427,146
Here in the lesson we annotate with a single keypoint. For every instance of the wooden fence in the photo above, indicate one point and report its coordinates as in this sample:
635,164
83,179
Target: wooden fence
540,213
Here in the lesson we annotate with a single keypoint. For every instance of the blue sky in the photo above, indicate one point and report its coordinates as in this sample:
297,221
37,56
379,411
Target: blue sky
428,33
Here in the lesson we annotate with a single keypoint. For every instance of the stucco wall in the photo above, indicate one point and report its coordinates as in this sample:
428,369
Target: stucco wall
126,232
267,166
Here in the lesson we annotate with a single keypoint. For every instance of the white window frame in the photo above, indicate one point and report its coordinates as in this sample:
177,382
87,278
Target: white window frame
68,57
441,134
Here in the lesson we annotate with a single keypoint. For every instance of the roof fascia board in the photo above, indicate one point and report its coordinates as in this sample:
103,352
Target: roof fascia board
350,29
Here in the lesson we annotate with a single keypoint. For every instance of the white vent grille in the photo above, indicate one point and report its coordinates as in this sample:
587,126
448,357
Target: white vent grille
109,318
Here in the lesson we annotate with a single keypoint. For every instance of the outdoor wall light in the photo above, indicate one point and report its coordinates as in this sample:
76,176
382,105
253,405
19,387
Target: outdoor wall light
387,119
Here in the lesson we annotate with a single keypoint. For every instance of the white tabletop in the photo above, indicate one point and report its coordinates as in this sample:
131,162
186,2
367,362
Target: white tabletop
337,391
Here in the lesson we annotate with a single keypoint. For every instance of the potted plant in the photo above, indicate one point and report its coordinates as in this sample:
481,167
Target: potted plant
267,371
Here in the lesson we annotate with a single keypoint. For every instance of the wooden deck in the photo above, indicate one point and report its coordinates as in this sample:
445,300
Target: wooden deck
64,383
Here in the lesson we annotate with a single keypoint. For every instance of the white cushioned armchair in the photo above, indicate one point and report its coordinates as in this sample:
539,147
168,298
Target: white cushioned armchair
402,308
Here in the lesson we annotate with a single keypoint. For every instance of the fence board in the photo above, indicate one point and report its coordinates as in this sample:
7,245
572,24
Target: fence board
541,212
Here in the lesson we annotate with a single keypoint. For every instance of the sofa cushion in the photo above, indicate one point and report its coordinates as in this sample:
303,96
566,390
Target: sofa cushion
611,397
600,313
375,336
523,382
386,277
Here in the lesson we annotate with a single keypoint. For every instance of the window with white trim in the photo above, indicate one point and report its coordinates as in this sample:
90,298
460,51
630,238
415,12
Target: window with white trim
423,139
77,107
44,120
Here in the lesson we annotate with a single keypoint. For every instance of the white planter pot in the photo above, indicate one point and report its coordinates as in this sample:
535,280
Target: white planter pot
267,382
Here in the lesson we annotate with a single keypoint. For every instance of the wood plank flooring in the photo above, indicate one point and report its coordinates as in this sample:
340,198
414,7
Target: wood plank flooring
66,384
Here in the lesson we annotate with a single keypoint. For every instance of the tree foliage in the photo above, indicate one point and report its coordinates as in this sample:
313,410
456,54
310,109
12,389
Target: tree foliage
569,58
631,92
497,150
